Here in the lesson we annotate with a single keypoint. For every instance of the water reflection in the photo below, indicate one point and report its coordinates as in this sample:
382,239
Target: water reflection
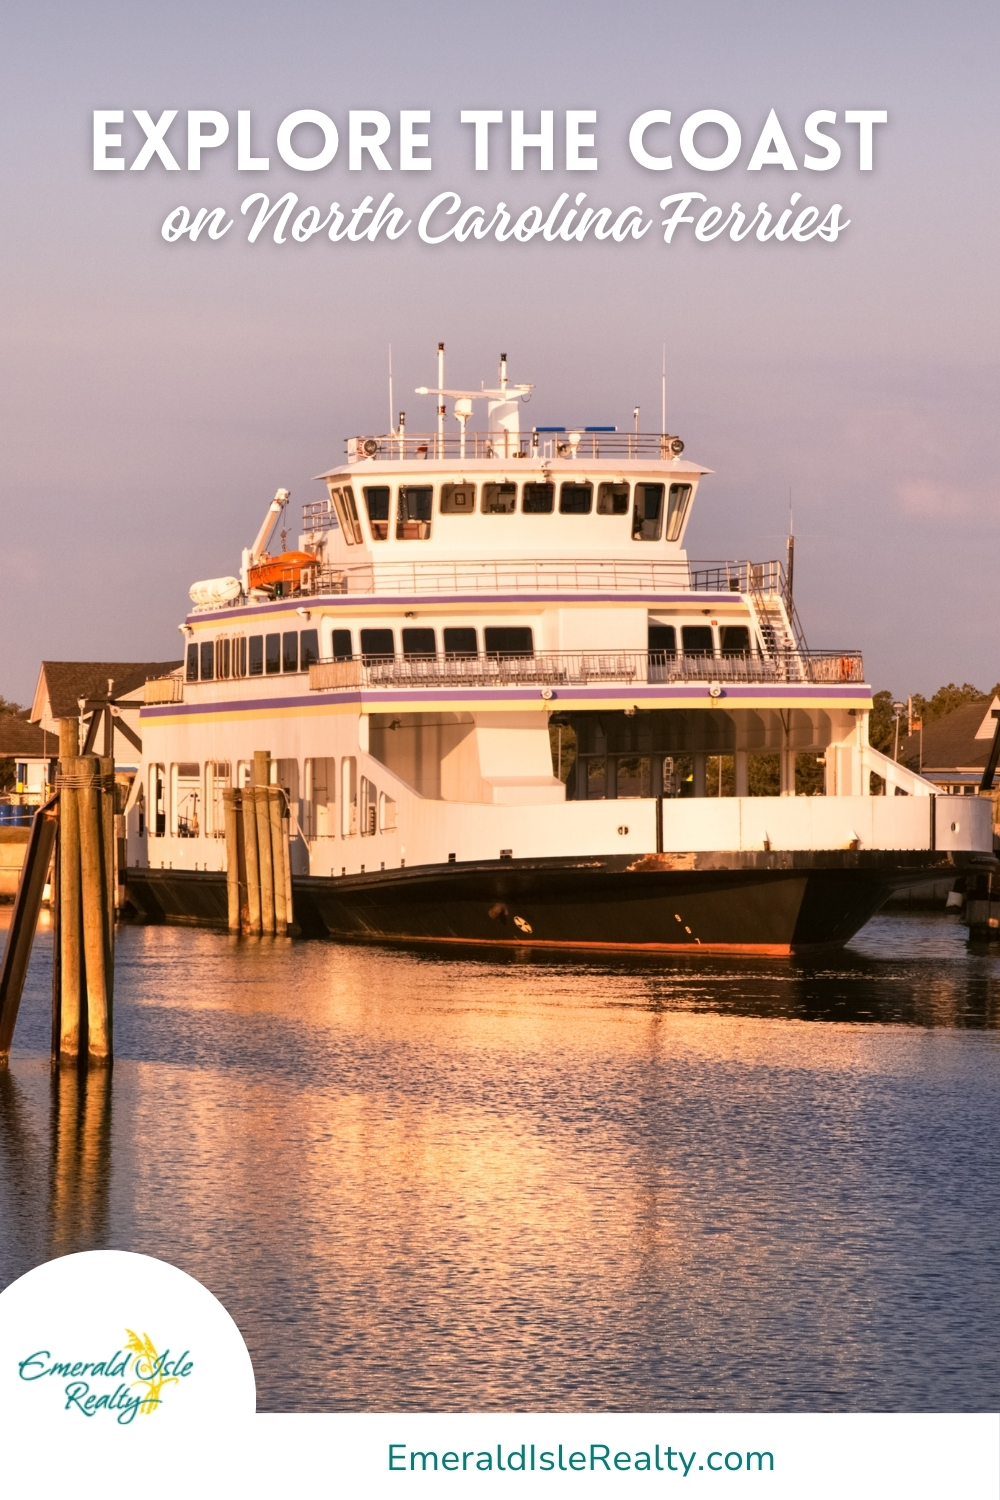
509,1183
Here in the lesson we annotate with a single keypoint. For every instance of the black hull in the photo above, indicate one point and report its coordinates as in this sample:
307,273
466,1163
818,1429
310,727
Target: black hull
768,903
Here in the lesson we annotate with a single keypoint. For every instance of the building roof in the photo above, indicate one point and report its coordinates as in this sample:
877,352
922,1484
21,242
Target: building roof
61,684
19,738
957,741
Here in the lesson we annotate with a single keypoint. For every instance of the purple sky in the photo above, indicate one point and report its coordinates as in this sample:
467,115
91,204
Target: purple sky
155,395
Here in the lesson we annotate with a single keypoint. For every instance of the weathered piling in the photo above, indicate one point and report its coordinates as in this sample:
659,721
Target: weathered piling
24,920
83,983
231,806
275,807
261,803
286,843
249,821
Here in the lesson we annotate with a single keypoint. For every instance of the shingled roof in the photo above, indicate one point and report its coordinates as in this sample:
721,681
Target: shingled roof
62,683
18,737
957,741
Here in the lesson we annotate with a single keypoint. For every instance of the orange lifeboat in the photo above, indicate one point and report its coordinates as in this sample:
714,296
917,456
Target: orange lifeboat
283,573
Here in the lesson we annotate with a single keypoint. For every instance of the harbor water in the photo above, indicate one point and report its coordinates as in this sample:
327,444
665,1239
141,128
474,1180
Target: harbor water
422,1182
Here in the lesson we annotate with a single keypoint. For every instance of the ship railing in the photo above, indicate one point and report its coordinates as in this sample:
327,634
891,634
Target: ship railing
574,442
552,669
542,575
163,690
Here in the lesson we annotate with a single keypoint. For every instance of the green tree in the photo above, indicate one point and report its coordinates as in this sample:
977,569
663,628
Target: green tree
881,722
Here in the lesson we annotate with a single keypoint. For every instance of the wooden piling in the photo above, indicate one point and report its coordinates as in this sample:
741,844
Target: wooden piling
94,892
261,803
286,843
71,991
275,807
249,816
230,802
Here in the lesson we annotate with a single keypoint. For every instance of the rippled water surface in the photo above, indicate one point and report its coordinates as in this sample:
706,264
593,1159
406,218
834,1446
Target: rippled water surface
424,1183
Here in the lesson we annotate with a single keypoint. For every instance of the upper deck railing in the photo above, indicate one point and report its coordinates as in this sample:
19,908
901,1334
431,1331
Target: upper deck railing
566,669
548,575
569,443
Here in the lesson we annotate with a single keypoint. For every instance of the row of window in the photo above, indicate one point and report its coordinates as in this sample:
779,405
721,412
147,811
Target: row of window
294,651
253,656
657,510
189,799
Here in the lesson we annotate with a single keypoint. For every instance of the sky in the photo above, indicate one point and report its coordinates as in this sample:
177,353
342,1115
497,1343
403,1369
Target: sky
154,395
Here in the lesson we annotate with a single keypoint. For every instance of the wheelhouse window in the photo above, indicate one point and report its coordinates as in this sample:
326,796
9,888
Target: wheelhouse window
192,662
697,640
377,506
499,499
347,513
413,512
509,640
309,649
735,640
290,651
677,504
207,660
538,499
647,515
342,648
256,643
377,645
419,643
458,499
460,641
272,654
576,499
612,500
663,639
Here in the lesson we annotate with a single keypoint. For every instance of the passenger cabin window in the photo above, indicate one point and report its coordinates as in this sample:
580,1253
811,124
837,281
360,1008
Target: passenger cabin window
342,648
217,779
697,640
239,656
347,513
458,499
290,651
735,640
256,643
272,654
349,796
647,516
309,649
207,660
537,499
413,512
575,499
157,802
320,809
677,504
192,662
508,640
419,643
377,506
377,645
499,499
460,641
369,808
612,500
664,638
223,656
185,801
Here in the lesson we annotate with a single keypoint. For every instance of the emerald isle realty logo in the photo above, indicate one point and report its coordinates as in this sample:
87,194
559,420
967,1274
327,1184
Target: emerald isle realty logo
131,1382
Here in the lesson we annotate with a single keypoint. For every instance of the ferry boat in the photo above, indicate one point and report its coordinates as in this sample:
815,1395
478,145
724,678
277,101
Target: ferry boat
502,701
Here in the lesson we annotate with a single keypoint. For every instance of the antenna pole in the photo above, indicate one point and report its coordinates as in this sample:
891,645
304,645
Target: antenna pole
440,401
790,564
391,406
663,394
